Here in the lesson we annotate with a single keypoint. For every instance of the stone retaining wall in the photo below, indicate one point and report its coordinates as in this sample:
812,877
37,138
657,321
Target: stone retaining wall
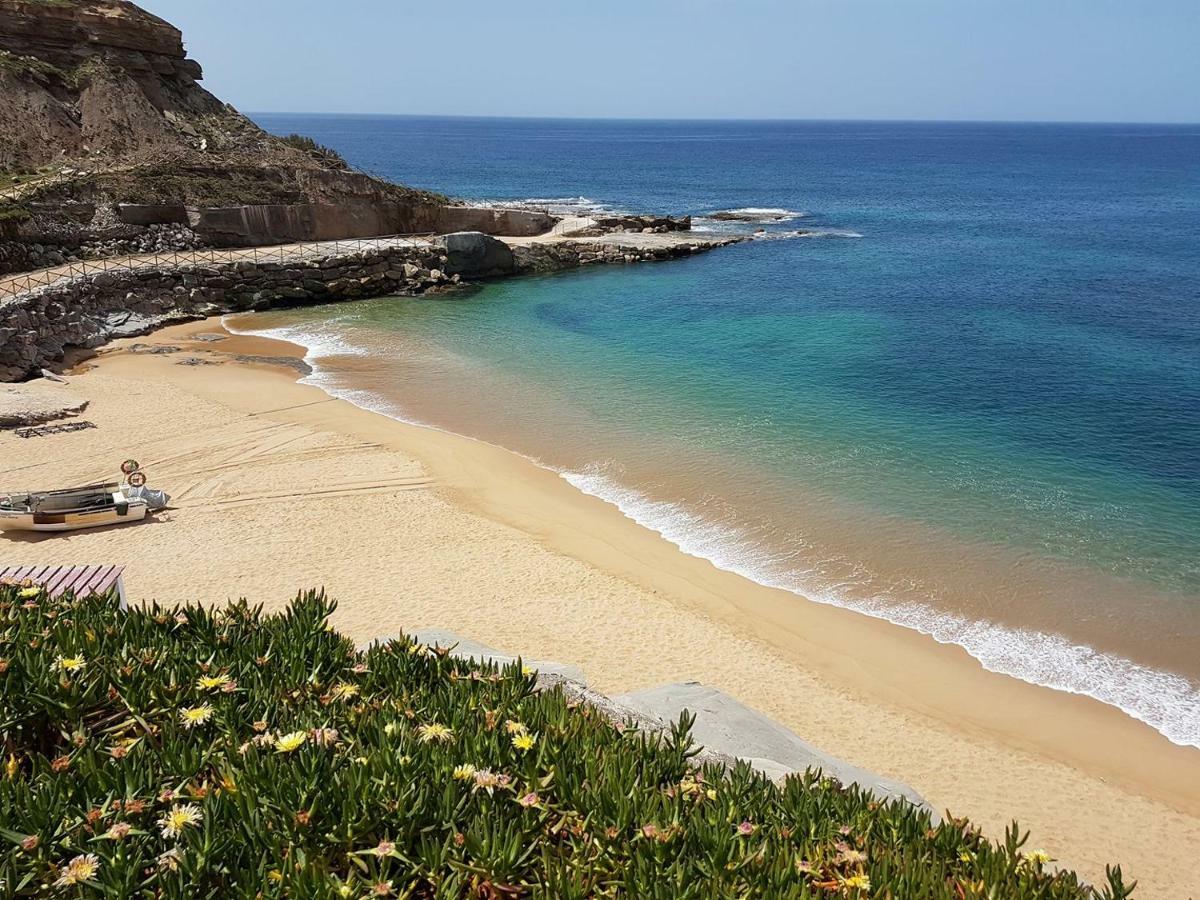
38,328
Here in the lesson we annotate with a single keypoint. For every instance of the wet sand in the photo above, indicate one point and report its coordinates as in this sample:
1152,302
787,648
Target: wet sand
278,488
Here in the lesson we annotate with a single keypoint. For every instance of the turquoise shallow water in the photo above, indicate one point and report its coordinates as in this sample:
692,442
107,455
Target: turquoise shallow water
970,404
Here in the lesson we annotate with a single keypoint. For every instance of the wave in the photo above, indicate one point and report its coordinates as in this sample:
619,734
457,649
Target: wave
1168,703
560,206
825,233
319,339
803,233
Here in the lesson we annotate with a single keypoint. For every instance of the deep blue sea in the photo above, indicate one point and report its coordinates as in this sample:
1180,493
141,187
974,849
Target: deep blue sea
955,382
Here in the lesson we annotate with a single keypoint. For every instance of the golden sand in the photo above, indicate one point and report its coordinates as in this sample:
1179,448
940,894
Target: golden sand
277,488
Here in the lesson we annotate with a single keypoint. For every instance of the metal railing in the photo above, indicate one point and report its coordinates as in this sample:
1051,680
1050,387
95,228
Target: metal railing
14,285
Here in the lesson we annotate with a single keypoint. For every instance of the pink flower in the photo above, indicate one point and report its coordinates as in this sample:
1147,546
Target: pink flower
530,799
746,828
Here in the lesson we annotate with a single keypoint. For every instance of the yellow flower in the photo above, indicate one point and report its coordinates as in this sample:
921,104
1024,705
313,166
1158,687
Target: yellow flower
434,731
524,742
11,766
191,716
212,682
1038,857
286,743
344,691
69,663
275,875
857,882
179,818
465,772
80,869
27,593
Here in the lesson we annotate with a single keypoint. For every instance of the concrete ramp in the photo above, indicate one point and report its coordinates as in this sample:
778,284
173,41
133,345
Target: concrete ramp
731,728
573,225
468,649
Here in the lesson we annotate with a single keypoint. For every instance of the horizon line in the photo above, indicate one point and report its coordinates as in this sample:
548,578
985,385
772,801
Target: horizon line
751,119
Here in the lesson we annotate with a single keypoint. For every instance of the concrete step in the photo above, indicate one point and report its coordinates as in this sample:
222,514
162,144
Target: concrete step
731,728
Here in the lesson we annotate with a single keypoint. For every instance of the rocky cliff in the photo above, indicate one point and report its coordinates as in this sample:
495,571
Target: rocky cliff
101,109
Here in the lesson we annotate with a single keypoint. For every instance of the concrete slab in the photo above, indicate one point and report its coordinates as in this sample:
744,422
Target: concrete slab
468,649
731,728
38,401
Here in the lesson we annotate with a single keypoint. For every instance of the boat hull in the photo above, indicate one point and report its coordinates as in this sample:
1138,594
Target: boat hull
70,520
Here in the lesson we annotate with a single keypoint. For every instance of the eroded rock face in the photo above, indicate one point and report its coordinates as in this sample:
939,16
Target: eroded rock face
100,108
92,77
65,34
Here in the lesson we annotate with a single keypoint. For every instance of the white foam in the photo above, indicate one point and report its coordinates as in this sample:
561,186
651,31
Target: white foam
562,206
802,233
1166,702
826,233
318,339
319,342
761,214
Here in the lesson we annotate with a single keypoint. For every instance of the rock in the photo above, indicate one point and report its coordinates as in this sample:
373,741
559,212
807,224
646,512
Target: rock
35,402
468,649
473,254
153,349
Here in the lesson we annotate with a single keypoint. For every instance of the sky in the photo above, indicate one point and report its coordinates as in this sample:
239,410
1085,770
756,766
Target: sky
1024,60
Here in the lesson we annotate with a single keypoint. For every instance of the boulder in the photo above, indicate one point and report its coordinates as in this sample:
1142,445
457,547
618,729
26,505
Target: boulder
38,401
473,254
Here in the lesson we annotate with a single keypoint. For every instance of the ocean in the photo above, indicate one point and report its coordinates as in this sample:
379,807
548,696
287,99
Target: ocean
953,383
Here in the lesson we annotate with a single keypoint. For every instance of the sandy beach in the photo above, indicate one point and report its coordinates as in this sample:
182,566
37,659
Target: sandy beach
277,487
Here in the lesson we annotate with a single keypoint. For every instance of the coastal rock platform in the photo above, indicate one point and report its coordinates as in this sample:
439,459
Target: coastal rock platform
36,402
46,314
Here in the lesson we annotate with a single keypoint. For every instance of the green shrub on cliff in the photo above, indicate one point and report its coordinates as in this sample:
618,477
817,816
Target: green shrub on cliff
319,152
194,753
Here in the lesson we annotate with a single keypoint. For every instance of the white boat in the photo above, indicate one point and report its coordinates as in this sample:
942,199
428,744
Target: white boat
74,508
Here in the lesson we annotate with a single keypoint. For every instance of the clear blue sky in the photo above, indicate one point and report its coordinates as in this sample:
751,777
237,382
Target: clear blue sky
1089,60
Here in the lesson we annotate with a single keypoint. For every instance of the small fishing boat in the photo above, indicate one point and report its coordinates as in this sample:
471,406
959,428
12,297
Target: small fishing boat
112,503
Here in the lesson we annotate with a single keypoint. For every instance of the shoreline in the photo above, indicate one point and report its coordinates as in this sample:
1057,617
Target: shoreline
985,745
646,565
1147,689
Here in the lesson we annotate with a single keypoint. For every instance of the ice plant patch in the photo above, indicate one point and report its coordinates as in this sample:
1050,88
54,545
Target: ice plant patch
226,753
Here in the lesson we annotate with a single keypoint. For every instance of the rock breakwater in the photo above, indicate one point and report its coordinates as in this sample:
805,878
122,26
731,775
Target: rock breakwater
42,327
